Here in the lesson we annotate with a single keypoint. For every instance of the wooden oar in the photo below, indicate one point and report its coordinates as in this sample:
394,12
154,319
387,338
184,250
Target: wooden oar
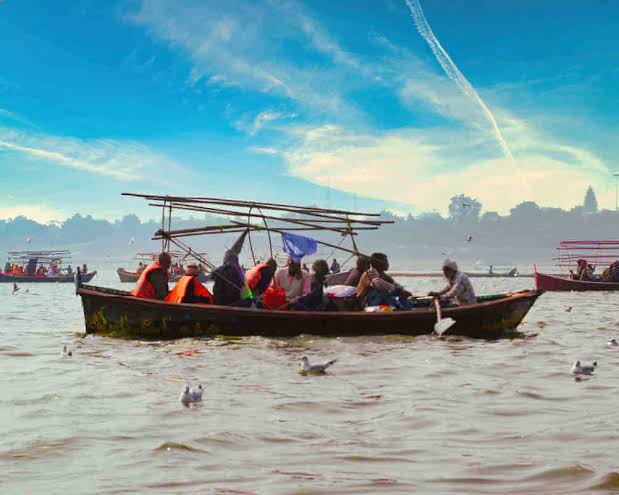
441,325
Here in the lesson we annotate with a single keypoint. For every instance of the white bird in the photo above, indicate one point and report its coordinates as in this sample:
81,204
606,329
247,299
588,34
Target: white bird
131,241
315,368
579,368
28,240
469,238
191,395
612,342
66,352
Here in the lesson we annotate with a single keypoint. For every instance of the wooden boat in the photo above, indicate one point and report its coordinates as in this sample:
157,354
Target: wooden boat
87,277
569,254
126,276
547,282
54,257
117,313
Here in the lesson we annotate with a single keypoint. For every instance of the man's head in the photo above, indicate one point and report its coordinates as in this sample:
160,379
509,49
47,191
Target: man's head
320,269
191,269
165,261
380,262
272,264
294,268
363,263
450,268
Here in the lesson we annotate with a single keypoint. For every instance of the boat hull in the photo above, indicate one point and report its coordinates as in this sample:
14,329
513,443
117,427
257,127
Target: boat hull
116,313
132,277
24,279
554,283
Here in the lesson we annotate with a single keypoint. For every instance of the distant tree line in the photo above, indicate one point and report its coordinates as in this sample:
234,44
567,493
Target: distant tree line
528,233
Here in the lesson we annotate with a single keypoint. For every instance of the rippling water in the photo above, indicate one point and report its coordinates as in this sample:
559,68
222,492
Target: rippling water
395,415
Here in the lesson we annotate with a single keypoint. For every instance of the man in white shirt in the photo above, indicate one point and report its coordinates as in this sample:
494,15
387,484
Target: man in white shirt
293,280
459,290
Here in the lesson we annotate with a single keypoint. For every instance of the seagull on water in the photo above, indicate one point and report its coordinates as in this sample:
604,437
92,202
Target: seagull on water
579,368
306,367
568,309
469,238
66,352
191,395
613,342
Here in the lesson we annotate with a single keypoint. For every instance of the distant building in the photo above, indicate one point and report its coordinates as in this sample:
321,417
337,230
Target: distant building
590,204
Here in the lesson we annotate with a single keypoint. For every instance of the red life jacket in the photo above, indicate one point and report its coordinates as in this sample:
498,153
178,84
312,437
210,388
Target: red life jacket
179,292
254,276
144,288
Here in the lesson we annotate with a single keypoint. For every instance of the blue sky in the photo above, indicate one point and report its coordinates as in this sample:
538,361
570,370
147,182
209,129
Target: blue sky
366,103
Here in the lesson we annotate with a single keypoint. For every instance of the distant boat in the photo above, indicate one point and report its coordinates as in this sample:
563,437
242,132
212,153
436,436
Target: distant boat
127,276
569,253
36,258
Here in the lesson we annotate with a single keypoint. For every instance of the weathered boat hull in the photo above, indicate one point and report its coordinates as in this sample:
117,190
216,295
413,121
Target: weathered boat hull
554,283
24,279
116,313
132,277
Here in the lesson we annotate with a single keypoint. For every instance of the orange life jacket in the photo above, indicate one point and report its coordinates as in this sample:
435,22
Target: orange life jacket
179,292
254,276
144,288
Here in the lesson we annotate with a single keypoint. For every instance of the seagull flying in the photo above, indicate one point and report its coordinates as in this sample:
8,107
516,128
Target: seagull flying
579,368
306,367
28,240
131,241
191,395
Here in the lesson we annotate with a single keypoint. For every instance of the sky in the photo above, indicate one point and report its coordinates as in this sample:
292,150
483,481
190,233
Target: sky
367,104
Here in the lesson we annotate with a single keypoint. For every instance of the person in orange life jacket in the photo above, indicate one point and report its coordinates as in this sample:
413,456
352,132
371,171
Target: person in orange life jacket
188,289
153,281
260,276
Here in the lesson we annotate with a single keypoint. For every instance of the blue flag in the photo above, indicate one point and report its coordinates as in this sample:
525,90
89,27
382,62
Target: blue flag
298,246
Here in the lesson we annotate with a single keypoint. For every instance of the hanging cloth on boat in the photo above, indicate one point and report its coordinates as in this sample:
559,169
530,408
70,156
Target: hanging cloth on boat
298,246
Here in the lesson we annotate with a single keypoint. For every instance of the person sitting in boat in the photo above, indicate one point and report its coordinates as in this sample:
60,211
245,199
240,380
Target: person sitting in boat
314,300
260,276
7,267
335,266
188,289
376,288
229,281
293,280
459,290
69,270
363,264
52,271
84,268
153,281
141,268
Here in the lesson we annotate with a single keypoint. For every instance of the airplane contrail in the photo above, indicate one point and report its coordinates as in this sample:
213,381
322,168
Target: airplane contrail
453,72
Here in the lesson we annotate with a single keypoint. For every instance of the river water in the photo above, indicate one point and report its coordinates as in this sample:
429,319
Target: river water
395,414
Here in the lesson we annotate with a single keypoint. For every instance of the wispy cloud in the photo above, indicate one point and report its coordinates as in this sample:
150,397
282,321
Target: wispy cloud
453,72
123,161
255,125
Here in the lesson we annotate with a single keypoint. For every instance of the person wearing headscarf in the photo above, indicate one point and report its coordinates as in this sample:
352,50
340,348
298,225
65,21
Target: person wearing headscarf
229,280
376,287
295,281
459,290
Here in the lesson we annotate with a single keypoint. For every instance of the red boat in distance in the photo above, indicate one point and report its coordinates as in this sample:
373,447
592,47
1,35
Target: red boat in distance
603,254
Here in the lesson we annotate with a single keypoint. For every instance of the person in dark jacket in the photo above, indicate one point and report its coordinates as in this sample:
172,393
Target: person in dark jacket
229,280
315,299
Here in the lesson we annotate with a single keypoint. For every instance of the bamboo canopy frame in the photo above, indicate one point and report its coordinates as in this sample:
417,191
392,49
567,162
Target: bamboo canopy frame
250,216
569,252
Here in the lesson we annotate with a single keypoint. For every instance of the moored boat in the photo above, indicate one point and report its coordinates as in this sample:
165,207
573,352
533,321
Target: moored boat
584,257
86,277
117,313
127,276
557,283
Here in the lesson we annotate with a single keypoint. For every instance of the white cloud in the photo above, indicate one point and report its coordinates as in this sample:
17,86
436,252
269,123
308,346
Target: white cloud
121,160
425,168
41,213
